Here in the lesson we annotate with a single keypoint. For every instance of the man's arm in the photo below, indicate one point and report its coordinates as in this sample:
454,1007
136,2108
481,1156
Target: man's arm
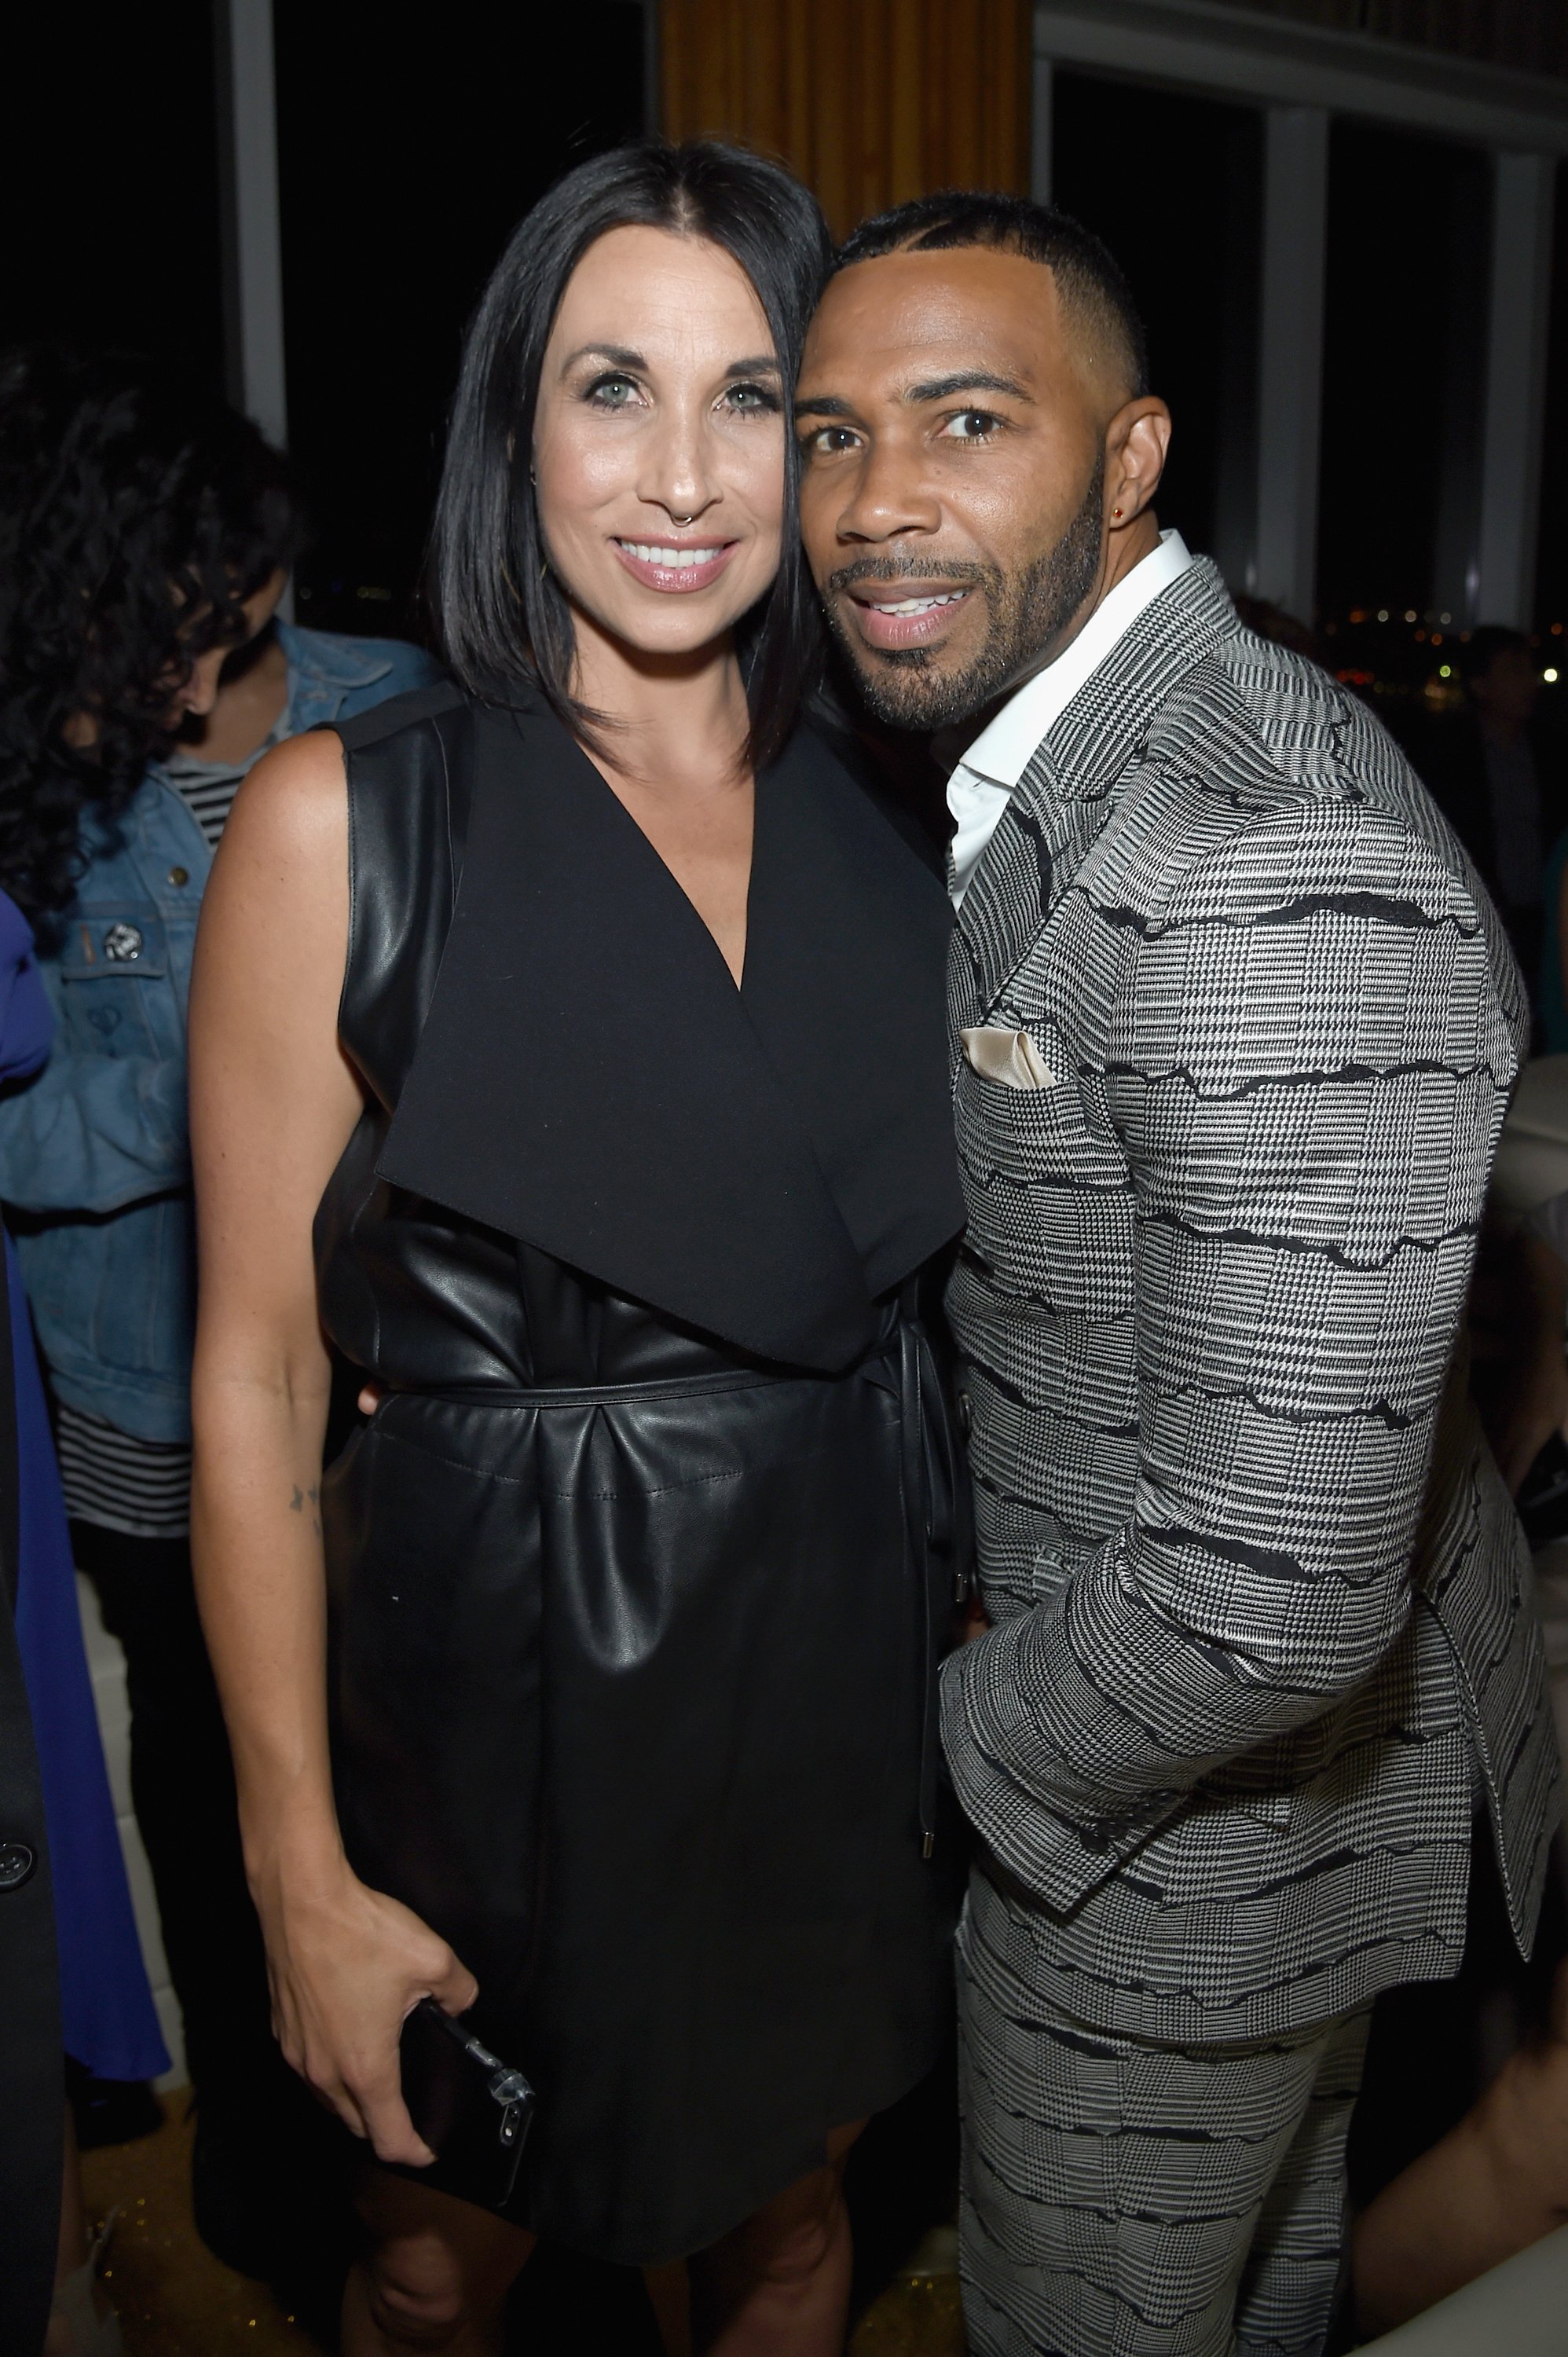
1309,1072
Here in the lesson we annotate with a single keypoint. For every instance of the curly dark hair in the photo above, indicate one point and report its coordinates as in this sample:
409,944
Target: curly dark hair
137,517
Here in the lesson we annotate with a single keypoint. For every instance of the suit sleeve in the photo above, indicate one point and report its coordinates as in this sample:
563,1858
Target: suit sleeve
1308,1067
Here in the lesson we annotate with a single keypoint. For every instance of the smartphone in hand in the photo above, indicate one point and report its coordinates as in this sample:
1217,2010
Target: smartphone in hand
472,2110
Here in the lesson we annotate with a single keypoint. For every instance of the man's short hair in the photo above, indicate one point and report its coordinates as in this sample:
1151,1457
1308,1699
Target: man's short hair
1093,294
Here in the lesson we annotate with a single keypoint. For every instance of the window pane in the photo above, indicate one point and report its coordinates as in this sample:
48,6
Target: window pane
1552,573
109,182
1173,185
405,164
1403,346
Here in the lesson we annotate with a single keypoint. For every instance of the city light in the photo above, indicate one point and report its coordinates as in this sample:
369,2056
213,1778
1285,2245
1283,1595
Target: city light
1550,676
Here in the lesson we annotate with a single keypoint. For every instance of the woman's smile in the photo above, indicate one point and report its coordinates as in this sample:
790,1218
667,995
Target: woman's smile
673,564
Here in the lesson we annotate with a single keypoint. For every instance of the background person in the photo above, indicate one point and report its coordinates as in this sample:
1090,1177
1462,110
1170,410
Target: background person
1497,772
147,536
76,1981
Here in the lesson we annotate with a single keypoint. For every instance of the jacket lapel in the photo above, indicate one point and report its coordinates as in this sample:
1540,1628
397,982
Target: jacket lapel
1067,791
589,1079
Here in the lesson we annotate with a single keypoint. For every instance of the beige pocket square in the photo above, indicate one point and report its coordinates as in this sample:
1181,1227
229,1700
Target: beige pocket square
1010,1057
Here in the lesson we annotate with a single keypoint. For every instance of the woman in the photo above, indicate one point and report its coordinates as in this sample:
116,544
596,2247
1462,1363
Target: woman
147,529
606,1068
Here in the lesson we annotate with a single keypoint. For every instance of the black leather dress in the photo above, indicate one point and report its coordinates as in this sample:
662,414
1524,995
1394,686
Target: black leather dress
638,1571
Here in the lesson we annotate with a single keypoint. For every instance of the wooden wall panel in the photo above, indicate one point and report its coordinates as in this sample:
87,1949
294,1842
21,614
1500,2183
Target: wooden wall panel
870,101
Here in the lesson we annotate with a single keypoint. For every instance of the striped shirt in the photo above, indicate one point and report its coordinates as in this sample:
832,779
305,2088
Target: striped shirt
119,1480
112,1478
207,788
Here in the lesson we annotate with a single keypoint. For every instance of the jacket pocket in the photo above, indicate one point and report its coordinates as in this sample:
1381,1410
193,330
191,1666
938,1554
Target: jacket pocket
115,997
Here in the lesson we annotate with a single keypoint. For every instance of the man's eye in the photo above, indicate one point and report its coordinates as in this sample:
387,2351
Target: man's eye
971,425
828,440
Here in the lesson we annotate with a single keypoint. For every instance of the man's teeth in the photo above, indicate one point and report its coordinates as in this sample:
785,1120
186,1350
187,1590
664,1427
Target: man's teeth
674,560
921,605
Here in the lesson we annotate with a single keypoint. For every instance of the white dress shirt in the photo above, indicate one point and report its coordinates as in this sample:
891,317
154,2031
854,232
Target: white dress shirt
980,786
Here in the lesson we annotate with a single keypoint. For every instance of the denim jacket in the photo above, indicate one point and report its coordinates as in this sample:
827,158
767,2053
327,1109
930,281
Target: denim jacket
94,1155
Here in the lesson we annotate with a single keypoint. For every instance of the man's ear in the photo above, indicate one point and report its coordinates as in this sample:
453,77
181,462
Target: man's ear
1136,441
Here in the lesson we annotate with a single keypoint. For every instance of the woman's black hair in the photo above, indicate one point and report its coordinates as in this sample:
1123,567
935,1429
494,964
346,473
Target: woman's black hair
137,517
502,615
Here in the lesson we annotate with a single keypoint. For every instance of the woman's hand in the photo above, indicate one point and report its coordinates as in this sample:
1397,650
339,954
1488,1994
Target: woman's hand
347,1966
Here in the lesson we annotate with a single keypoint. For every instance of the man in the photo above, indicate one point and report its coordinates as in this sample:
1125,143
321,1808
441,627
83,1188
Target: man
1237,1035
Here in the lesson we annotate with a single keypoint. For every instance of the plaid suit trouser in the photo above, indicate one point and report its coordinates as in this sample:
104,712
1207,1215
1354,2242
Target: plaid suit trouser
1127,2199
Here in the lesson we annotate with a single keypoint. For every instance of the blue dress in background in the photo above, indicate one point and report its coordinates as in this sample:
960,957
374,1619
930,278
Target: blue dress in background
108,2020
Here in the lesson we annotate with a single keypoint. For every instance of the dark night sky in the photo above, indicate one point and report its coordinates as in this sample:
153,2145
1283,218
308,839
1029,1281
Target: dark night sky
1409,224
403,167
406,163
1174,186
108,181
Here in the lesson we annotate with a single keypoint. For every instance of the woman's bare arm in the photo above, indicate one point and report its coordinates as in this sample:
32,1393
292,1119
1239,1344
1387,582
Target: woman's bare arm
274,1102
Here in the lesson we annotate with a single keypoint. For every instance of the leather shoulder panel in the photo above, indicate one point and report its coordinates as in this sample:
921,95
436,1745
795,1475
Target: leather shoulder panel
408,809
398,713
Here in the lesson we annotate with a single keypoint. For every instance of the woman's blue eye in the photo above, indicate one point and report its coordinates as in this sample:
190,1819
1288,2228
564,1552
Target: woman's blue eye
612,392
750,398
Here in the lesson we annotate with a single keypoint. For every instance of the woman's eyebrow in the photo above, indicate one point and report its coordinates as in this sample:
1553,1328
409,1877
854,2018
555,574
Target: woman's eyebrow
622,356
618,356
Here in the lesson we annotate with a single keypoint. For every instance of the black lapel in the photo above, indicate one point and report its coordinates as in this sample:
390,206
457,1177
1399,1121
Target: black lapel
588,1078
846,943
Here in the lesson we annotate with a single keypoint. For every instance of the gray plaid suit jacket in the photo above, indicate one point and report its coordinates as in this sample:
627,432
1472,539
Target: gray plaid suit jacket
1262,1616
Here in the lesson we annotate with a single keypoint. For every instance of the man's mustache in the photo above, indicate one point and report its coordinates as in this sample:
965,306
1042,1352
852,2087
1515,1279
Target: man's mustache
896,569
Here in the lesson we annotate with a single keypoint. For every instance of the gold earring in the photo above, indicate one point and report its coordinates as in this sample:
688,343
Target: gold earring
1115,515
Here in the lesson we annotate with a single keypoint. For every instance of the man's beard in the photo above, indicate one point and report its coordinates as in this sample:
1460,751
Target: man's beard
1028,611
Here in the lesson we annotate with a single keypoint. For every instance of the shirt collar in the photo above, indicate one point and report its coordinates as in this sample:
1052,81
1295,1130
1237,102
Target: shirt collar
326,660
1003,750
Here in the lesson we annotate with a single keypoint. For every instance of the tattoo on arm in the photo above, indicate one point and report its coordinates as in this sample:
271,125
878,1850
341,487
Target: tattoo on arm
296,1506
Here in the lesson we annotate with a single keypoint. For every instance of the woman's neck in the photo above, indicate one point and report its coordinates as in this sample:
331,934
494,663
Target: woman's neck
677,722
